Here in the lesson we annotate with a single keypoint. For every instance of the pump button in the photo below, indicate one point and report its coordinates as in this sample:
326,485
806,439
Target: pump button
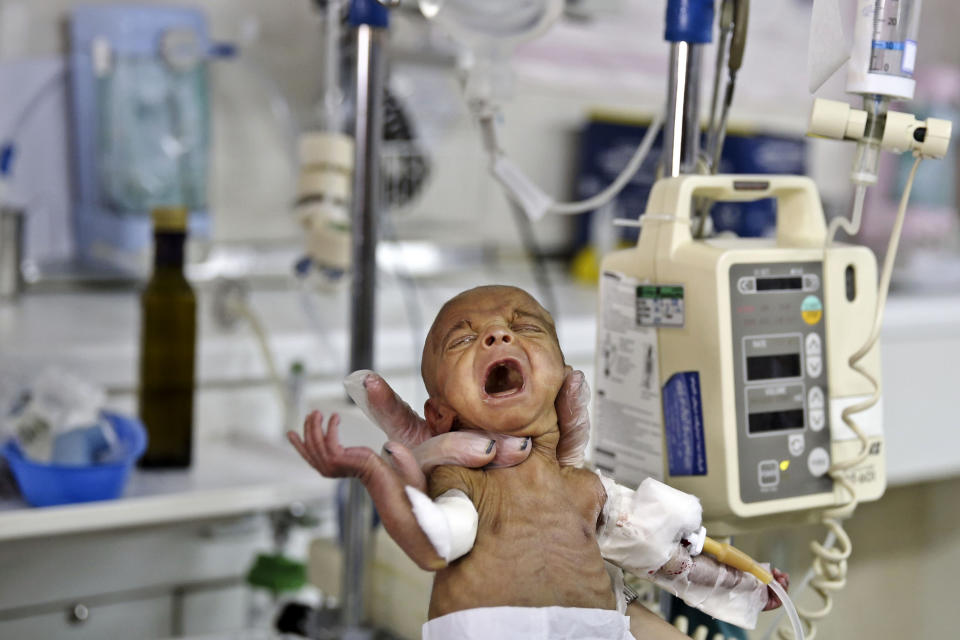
768,473
813,344
815,398
817,419
819,461
814,366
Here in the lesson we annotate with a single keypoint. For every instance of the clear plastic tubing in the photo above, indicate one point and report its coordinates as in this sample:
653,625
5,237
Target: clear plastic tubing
790,609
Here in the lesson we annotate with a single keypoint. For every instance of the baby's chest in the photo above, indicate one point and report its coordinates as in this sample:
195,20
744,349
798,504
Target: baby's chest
553,512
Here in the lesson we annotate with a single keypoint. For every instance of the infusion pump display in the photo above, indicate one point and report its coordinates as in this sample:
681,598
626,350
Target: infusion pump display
779,356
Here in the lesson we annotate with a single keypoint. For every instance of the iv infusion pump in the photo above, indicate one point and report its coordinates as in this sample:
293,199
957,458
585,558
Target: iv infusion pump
722,364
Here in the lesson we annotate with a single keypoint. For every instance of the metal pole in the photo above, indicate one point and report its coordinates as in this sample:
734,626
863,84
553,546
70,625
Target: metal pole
366,195
681,142
676,100
690,145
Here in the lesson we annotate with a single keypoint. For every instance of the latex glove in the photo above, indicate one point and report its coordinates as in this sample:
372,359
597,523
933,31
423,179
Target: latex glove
573,417
413,451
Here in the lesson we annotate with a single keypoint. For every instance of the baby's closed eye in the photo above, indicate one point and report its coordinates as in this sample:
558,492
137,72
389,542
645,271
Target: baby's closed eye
460,341
532,328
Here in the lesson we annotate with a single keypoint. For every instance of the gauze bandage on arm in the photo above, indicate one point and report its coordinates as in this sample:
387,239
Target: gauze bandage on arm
723,592
642,532
641,529
450,521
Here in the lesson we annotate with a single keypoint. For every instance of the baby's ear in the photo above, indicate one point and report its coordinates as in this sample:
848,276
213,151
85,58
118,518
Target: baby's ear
440,416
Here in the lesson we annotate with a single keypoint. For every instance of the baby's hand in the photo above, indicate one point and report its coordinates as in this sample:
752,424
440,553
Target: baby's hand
325,453
773,600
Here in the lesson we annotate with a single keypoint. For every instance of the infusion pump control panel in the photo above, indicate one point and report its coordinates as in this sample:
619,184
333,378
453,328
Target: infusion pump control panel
780,374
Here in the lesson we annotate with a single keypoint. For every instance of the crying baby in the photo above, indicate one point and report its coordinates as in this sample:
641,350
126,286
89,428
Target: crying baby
523,537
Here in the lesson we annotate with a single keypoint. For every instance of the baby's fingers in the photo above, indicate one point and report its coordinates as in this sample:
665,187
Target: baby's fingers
313,438
299,445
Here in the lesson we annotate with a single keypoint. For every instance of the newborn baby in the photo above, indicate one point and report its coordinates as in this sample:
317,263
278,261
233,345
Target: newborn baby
523,536
492,362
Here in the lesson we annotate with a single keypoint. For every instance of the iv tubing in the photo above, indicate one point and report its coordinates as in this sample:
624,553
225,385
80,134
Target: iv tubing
491,144
605,196
851,226
247,313
733,557
790,609
485,118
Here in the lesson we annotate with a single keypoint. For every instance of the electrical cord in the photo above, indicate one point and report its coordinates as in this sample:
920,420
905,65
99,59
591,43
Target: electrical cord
830,564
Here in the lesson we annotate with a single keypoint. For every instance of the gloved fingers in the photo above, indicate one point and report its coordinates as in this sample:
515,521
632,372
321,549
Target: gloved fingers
381,404
510,451
461,448
573,418
404,463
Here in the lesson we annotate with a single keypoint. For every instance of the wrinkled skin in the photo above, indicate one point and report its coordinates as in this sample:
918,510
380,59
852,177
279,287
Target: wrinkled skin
413,451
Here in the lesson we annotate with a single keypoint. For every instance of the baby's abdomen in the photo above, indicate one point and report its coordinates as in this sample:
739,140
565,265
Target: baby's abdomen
527,555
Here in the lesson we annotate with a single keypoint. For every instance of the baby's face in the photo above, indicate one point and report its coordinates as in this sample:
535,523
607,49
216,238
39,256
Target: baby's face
492,356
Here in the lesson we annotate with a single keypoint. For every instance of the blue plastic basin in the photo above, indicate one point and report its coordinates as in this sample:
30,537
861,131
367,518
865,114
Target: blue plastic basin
44,485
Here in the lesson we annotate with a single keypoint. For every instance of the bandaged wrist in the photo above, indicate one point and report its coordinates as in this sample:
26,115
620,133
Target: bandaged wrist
450,521
723,592
641,529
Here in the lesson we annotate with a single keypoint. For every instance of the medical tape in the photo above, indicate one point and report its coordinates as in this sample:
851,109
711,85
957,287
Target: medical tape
450,521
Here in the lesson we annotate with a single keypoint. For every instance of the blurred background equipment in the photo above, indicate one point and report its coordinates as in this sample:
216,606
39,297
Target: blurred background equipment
141,125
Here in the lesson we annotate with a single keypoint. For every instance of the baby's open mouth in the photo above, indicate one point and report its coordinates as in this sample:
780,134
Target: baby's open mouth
503,378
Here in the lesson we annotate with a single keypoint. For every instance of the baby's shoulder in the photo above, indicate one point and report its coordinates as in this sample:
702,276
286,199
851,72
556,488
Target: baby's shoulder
585,487
447,477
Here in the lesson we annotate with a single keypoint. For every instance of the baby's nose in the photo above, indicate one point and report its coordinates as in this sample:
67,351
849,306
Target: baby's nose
496,335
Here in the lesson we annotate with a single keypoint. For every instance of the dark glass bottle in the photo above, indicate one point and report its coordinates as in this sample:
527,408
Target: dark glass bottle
167,345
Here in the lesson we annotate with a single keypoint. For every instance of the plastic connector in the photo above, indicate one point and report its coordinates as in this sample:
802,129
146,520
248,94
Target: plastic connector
902,132
936,138
733,557
929,138
837,120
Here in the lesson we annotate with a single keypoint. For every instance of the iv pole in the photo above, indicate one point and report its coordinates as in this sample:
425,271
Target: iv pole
689,26
371,20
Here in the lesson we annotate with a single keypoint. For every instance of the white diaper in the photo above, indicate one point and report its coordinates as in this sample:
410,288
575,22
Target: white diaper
529,623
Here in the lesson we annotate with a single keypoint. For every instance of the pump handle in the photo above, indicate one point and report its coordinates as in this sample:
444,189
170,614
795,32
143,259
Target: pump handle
800,219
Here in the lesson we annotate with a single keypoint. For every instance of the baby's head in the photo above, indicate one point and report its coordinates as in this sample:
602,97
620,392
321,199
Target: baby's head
492,361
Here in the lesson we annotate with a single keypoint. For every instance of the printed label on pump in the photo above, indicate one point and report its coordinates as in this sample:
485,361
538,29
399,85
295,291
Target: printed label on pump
683,425
660,306
629,440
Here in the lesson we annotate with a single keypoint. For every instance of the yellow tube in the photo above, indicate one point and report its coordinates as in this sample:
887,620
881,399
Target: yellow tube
733,557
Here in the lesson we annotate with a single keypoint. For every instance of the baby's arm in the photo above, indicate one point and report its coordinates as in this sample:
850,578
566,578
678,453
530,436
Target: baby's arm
325,454
655,532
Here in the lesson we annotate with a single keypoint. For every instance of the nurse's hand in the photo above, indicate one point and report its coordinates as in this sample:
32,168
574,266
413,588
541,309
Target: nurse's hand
413,451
